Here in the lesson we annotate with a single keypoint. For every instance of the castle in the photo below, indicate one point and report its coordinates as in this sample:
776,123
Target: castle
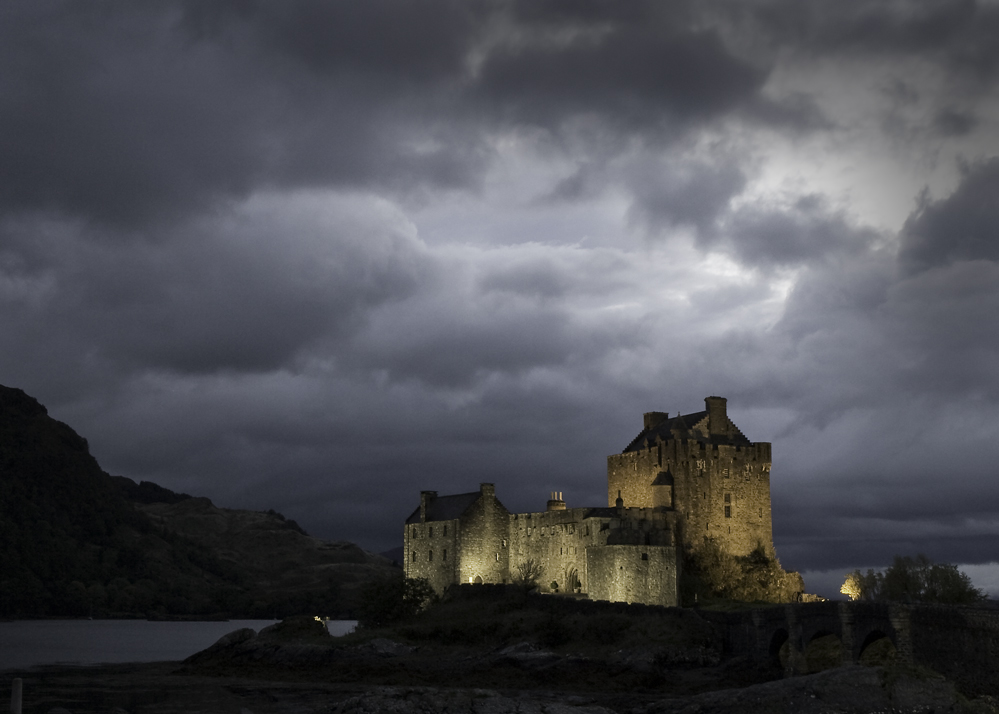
683,481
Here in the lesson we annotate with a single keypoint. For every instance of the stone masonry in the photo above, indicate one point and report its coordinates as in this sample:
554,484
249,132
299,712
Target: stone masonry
682,481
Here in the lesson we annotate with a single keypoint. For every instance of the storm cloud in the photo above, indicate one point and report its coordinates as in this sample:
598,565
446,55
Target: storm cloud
317,257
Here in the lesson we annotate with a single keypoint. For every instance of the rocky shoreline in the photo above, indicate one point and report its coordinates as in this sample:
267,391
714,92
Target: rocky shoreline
295,668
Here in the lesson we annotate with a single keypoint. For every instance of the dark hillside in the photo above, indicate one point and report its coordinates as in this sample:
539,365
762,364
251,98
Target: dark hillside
75,541
70,542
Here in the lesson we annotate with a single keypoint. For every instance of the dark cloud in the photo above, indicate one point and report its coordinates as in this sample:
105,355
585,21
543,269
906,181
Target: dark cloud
684,194
958,33
804,230
318,257
240,294
951,122
632,77
959,227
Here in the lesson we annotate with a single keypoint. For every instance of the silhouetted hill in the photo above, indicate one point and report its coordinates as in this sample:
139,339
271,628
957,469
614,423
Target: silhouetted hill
76,541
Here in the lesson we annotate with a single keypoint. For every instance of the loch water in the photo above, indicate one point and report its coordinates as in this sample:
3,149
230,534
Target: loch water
28,643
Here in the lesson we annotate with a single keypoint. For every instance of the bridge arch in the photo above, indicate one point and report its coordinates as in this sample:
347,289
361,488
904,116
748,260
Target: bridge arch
777,650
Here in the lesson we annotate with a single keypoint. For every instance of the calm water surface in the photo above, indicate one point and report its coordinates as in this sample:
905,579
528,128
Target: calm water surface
26,643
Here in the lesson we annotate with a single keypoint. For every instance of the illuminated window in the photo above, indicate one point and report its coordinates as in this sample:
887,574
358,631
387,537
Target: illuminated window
430,555
728,511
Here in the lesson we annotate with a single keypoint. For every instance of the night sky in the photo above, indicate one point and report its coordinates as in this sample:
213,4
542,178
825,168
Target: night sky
318,256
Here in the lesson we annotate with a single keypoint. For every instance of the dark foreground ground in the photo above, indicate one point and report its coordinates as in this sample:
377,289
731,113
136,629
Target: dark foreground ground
492,657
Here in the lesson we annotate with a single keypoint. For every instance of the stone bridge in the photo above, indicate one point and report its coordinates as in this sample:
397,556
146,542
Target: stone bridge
961,643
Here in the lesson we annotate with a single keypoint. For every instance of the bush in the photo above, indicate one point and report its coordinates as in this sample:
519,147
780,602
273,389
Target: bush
393,599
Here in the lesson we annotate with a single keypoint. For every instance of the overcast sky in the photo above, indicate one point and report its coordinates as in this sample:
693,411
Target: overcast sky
319,256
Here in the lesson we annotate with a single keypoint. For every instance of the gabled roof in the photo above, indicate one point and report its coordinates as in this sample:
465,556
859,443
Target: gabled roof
680,427
446,508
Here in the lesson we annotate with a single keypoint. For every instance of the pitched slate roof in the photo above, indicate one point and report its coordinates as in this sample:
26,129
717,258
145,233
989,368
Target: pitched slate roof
446,508
681,425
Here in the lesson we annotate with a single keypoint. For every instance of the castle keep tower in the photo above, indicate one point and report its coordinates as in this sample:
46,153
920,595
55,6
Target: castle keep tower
704,469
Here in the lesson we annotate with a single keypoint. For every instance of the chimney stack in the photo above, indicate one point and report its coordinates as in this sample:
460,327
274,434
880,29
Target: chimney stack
654,419
717,417
425,498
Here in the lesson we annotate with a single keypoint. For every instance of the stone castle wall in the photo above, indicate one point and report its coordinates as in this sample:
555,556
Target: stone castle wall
484,546
432,552
633,573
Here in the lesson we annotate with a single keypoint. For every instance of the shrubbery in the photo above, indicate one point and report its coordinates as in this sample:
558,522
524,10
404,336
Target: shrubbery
393,599
913,580
711,573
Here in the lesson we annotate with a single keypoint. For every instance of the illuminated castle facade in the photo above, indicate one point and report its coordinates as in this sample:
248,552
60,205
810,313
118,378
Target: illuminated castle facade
683,481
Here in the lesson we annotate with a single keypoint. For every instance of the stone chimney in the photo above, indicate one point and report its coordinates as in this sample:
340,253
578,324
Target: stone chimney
555,503
717,418
488,490
654,419
425,498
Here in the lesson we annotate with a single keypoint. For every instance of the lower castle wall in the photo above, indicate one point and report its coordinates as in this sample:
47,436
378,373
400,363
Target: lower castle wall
557,541
633,573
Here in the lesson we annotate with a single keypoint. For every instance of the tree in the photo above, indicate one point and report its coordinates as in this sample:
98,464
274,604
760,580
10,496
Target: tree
913,580
528,573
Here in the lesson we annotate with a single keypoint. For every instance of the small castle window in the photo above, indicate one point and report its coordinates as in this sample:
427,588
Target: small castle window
645,556
728,498
761,513
728,511
414,556
445,531
497,557
414,531
724,473
444,557
430,531
504,542
430,555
